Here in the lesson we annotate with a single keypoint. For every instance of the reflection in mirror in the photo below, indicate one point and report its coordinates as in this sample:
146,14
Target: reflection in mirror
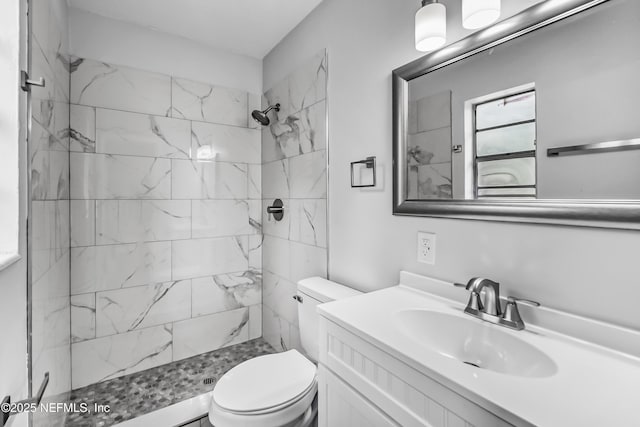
429,147
480,128
505,152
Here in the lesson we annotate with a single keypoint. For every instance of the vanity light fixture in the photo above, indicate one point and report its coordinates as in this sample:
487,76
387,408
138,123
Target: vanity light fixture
431,26
479,13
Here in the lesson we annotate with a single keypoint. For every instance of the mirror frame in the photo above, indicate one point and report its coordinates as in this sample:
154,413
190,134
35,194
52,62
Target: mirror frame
590,213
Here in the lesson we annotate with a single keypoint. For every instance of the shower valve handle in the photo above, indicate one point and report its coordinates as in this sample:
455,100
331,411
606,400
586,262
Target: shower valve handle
276,209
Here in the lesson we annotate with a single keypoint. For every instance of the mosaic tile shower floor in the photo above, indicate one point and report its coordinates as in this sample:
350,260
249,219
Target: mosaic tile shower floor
137,394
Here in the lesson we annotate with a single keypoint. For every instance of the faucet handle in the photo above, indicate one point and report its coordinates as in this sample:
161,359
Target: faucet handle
475,303
511,313
522,301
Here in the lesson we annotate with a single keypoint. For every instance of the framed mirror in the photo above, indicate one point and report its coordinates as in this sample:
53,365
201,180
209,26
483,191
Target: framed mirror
534,119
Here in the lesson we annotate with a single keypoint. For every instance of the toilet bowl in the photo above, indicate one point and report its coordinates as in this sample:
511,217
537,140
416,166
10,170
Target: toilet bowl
271,390
278,389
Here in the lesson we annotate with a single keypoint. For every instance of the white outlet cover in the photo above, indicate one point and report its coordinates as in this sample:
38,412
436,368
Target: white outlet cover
426,249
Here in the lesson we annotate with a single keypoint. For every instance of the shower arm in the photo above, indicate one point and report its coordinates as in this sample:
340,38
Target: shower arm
272,107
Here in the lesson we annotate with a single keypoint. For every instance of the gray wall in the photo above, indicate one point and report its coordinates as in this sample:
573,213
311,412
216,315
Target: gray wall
585,271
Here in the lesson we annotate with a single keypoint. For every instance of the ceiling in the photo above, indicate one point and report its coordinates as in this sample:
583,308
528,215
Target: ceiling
247,27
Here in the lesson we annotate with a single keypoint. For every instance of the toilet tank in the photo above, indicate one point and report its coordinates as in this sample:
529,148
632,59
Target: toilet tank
311,292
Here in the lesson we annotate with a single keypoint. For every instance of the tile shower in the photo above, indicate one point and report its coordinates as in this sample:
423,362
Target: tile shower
165,214
149,230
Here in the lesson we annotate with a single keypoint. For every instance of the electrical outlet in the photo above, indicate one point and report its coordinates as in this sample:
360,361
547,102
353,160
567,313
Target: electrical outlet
426,247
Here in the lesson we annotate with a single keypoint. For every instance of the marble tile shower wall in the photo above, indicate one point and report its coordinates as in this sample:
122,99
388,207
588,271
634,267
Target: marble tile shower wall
49,213
429,151
166,228
294,169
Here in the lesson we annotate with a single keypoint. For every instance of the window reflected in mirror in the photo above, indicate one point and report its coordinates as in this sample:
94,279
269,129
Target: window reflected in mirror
505,146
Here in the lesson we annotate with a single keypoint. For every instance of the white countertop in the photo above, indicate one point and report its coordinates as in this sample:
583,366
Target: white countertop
593,386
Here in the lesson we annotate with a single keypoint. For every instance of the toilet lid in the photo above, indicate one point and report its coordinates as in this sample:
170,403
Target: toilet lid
265,382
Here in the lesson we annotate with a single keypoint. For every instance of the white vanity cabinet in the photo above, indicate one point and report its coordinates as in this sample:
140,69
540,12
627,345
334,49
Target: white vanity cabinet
360,385
341,405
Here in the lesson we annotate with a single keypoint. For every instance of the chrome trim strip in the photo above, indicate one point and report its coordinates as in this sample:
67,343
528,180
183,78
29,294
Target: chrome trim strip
595,148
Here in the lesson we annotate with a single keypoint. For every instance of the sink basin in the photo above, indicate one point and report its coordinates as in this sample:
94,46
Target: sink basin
474,342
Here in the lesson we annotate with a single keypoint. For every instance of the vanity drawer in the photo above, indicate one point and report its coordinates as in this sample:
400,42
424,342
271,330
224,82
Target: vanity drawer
340,405
406,395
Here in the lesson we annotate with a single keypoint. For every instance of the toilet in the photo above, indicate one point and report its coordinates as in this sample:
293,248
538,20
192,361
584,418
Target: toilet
278,389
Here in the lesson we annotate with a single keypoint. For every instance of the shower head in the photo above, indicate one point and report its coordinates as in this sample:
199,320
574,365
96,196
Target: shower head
261,116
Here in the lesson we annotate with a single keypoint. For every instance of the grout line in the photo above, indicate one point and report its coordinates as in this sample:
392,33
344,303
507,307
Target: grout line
137,156
171,261
163,324
191,300
248,113
293,157
295,241
148,242
98,107
144,328
158,242
173,344
171,175
148,200
95,222
95,315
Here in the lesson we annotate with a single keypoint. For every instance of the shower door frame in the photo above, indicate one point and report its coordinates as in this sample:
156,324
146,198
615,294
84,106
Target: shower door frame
26,61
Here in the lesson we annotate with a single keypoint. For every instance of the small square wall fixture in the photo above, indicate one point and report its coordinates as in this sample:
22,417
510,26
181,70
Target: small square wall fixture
363,173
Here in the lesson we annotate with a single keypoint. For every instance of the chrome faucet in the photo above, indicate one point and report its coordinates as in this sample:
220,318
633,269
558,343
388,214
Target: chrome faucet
490,309
491,304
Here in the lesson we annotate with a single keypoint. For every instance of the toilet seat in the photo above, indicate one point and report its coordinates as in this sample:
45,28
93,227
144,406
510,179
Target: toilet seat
312,388
265,382
286,416
268,390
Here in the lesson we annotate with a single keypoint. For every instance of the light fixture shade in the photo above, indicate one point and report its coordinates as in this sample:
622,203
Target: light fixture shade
479,13
431,27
